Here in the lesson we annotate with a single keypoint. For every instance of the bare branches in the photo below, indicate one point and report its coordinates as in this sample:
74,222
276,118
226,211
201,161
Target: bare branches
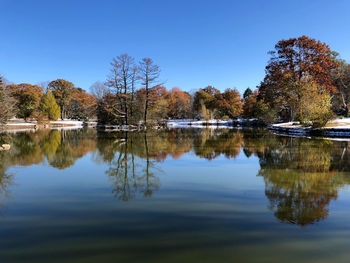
122,80
149,74
99,89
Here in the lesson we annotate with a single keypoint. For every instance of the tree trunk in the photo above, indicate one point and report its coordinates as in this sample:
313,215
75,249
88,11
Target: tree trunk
125,102
146,102
146,108
147,191
62,112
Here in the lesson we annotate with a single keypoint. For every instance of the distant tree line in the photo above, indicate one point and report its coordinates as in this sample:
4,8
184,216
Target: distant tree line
305,81
44,102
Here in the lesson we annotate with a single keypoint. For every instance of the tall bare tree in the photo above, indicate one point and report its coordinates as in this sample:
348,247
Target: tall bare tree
135,70
121,79
149,75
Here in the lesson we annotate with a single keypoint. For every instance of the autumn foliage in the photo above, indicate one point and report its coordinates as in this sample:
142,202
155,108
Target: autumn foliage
304,81
211,103
27,98
179,103
291,61
82,105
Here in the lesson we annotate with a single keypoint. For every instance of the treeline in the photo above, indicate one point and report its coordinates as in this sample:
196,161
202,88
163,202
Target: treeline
305,81
132,93
44,102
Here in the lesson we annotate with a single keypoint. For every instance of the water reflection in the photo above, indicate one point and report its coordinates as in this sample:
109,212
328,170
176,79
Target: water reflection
130,165
301,176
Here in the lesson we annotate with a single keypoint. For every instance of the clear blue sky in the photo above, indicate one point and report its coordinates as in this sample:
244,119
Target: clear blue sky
196,43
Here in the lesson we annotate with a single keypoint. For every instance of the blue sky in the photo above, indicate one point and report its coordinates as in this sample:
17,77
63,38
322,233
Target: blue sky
196,43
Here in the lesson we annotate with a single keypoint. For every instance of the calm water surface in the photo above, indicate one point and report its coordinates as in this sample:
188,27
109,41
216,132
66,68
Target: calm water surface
175,196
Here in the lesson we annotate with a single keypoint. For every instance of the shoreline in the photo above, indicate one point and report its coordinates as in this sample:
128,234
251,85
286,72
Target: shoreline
214,123
336,129
15,125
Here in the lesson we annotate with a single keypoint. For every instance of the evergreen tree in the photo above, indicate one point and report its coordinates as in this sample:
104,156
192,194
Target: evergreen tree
247,93
49,107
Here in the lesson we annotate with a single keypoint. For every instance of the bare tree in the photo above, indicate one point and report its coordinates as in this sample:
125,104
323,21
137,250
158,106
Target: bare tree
149,75
133,89
6,102
99,89
121,80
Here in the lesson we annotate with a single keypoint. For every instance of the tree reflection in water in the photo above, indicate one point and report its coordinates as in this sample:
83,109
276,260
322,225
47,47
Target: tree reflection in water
301,176
6,179
131,167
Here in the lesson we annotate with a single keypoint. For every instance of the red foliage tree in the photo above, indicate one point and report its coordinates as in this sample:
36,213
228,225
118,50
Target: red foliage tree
291,61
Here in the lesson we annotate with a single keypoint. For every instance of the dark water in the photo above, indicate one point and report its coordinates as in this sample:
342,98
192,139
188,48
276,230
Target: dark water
175,196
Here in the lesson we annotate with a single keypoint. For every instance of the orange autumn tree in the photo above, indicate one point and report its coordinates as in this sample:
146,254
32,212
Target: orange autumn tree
292,60
82,105
249,109
27,98
229,103
179,104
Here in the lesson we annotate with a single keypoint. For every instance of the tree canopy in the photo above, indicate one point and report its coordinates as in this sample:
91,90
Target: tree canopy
62,90
27,98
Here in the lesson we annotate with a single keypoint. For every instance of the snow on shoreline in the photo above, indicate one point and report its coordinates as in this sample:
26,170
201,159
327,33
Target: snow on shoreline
198,124
335,128
213,123
67,122
21,125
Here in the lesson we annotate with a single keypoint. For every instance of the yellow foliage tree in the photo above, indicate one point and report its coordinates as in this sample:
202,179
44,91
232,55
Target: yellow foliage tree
49,106
314,105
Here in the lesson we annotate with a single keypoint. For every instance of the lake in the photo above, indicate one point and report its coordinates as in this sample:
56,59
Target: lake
183,195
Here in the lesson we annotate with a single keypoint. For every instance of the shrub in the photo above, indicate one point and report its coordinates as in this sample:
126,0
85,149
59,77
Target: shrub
40,118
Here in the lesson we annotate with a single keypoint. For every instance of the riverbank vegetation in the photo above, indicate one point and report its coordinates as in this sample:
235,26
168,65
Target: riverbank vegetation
305,81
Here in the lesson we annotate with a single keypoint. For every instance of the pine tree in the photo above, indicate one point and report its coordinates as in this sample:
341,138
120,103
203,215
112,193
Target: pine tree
49,107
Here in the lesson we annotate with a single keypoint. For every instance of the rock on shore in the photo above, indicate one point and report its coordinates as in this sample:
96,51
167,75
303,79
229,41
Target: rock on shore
5,147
